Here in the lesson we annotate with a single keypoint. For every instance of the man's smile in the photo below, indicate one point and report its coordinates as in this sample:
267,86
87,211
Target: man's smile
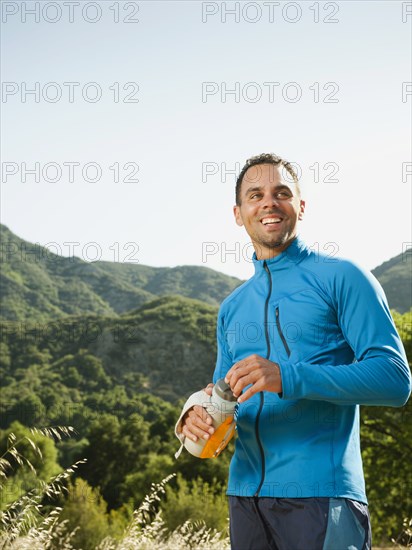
271,220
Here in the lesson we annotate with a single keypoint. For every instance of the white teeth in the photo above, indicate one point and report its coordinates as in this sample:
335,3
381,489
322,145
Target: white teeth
271,220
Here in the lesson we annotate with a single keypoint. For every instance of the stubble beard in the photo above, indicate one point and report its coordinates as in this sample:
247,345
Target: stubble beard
260,242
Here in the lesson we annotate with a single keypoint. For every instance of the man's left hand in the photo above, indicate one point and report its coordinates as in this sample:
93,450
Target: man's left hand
264,375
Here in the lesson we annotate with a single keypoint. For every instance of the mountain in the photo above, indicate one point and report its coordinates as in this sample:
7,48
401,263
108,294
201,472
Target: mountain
395,276
166,348
38,285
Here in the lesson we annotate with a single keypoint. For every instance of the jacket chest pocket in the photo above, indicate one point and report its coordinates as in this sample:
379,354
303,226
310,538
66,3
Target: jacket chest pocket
280,332
303,324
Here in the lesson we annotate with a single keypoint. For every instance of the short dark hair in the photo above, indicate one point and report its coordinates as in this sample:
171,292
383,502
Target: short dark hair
265,158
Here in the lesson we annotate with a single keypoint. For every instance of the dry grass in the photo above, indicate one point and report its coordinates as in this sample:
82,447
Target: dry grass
26,525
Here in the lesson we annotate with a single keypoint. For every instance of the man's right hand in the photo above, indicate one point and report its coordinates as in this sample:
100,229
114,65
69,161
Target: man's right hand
197,423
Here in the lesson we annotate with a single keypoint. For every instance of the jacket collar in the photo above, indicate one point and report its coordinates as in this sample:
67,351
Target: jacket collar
293,254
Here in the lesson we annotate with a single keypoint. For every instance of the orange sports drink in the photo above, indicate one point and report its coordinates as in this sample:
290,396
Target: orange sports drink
221,406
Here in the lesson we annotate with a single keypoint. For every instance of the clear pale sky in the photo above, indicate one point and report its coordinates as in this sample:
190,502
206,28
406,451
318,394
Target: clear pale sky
327,85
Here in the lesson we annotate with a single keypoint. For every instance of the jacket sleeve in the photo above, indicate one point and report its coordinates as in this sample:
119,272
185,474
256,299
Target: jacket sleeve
224,359
380,374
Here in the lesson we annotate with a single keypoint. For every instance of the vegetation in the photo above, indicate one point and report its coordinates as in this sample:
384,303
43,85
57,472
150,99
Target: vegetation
29,523
38,285
395,278
386,436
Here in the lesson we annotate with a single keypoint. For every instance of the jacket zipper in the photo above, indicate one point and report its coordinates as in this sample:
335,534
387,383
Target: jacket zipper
262,398
282,337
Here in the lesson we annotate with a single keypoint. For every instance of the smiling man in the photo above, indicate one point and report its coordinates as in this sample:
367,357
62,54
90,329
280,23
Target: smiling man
302,344
268,207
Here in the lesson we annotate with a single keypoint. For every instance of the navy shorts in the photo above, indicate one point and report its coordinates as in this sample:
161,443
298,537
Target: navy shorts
298,524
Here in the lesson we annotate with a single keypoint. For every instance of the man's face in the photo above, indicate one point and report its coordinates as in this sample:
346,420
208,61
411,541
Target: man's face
270,209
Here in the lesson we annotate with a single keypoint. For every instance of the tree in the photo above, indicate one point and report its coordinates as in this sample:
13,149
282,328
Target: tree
116,448
197,501
37,465
386,435
138,482
85,510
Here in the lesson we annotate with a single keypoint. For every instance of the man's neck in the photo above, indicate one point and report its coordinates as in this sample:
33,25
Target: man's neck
266,253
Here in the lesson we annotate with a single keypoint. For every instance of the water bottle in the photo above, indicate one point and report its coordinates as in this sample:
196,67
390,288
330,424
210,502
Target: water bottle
221,407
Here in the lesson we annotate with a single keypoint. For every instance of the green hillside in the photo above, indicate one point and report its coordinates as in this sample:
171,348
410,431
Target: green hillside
131,371
166,348
38,285
395,276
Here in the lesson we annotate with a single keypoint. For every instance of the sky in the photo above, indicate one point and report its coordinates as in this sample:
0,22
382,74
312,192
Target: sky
124,124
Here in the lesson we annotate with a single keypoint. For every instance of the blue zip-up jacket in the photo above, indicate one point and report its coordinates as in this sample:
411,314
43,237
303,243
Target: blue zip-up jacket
327,324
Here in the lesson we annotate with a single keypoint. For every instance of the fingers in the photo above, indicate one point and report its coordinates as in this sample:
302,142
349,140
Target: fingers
242,374
197,423
209,389
244,380
255,388
239,367
260,373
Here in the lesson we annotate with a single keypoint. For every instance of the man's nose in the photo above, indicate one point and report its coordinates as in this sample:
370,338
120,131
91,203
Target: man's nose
270,200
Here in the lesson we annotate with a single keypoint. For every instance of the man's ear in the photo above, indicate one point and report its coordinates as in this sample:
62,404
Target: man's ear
301,210
238,216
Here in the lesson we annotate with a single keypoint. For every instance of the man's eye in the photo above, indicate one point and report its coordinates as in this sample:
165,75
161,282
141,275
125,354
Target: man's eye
283,195
255,196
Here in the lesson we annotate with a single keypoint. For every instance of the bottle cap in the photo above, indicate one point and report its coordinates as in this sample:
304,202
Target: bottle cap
223,390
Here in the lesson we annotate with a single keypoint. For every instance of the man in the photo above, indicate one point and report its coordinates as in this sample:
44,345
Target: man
302,344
